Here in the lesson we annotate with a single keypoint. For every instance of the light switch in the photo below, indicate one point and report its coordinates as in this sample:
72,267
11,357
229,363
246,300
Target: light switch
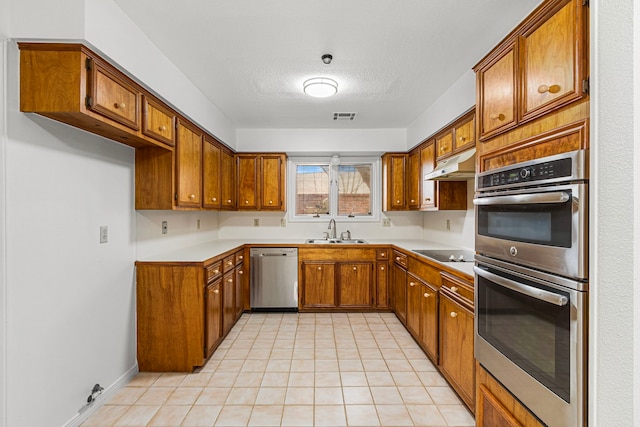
104,234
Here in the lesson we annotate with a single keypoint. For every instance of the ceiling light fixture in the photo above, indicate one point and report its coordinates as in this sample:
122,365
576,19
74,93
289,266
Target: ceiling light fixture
320,87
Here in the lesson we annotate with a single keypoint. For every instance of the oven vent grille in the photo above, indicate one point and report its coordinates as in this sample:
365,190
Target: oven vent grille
344,116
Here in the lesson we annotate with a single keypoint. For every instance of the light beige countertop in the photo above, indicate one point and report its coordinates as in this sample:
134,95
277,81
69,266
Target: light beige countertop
205,251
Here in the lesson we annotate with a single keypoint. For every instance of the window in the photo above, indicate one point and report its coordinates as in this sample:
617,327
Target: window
321,189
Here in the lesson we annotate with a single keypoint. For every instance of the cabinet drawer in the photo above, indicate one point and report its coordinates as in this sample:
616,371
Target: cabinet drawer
213,271
228,263
382,254
400,258
158,122
114,98
239,257
458,288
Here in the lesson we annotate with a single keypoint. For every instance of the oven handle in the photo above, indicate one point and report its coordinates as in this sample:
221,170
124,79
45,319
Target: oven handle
540,294
524,199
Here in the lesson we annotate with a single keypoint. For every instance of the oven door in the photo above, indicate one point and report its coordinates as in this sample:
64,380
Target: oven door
530,335
544,228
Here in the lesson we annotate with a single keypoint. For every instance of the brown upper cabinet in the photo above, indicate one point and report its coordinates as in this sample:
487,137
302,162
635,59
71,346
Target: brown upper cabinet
158,121
459,137
261,181
538,68
394,185
211,173
69,83
189,166
413,180
228,180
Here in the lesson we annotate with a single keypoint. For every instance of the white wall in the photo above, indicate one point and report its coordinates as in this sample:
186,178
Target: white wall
3,230
335,141
614,230
70,299
453,102
61,19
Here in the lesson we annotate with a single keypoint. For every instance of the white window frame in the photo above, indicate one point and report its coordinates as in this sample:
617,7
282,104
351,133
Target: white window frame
375,195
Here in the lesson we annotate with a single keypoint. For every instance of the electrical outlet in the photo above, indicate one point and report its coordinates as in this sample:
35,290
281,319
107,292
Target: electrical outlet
448,224
165,227
198,224
256,222
104,234
386,222
283,222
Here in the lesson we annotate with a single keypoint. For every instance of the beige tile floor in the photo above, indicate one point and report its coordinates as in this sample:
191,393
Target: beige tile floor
290,369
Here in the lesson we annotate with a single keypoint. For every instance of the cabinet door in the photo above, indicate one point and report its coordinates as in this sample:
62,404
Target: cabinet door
428,163
189,166
399,292
394,182
239,291
211,174
319,285
456,347
444,144
228,181
414,304
413,180
228,302
158,122
113,97
382,284
247,176
491,413
429,320
497,93
464,135
551,53
213,317
272,182
355,284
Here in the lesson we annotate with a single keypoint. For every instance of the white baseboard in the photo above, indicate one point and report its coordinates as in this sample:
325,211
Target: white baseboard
86,411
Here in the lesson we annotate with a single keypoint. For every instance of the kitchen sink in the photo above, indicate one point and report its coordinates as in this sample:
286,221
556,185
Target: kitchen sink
329,241
447,255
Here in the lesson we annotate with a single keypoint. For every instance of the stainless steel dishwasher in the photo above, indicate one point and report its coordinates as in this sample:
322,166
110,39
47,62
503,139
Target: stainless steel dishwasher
274,279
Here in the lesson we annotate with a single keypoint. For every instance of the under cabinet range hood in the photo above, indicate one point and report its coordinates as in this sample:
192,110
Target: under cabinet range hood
456,168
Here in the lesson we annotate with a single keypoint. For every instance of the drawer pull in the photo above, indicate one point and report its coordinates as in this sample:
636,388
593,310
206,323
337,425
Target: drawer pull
427,295
240,257
162,128
462,138
497,116
216,291
453,314
213,199
550,89
454,289
216,271
121,105
427,199
397,258
229,263
383,254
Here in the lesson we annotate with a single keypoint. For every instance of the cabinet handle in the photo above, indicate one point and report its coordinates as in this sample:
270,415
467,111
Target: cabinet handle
462,138
383,254
398,201
497,116
454,289
192,196
427,199
216,271
162,128
397,258
382,268
413,201
355,268
319,268
229,201
270,202
427,295
213,199
216,291
240,257
453,314
120,105
240,272
230,280
412,284
229,263
246,202
550,89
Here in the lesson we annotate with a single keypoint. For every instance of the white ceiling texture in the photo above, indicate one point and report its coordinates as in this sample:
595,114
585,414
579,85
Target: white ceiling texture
391,58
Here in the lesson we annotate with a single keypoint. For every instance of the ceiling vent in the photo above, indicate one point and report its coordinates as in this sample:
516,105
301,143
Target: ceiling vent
344,116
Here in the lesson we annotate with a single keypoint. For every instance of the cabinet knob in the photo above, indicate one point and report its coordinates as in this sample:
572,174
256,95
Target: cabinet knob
229,263
427,295
453,314
240,272
398,201
382,268
412,284
454,289
497,116
216,271
213,199
413,201
216,291
550,89
120,105
383,254
192,196
246,202
397,258
355,268
230,280
229,201
319,268
240,256
270,202
162,128
462,138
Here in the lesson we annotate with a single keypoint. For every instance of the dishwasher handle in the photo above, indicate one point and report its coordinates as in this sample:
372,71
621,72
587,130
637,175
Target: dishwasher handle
272,254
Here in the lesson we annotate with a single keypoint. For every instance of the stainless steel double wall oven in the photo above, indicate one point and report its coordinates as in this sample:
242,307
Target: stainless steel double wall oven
532,283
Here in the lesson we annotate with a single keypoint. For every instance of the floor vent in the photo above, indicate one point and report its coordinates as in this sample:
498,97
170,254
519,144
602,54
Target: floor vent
344,116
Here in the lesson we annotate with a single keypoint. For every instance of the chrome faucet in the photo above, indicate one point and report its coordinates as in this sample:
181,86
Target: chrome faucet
332,227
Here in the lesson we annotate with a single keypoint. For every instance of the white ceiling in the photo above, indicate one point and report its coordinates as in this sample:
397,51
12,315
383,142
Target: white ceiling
392,58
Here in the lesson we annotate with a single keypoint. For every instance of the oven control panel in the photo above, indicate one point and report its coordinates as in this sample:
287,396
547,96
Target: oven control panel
518,175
